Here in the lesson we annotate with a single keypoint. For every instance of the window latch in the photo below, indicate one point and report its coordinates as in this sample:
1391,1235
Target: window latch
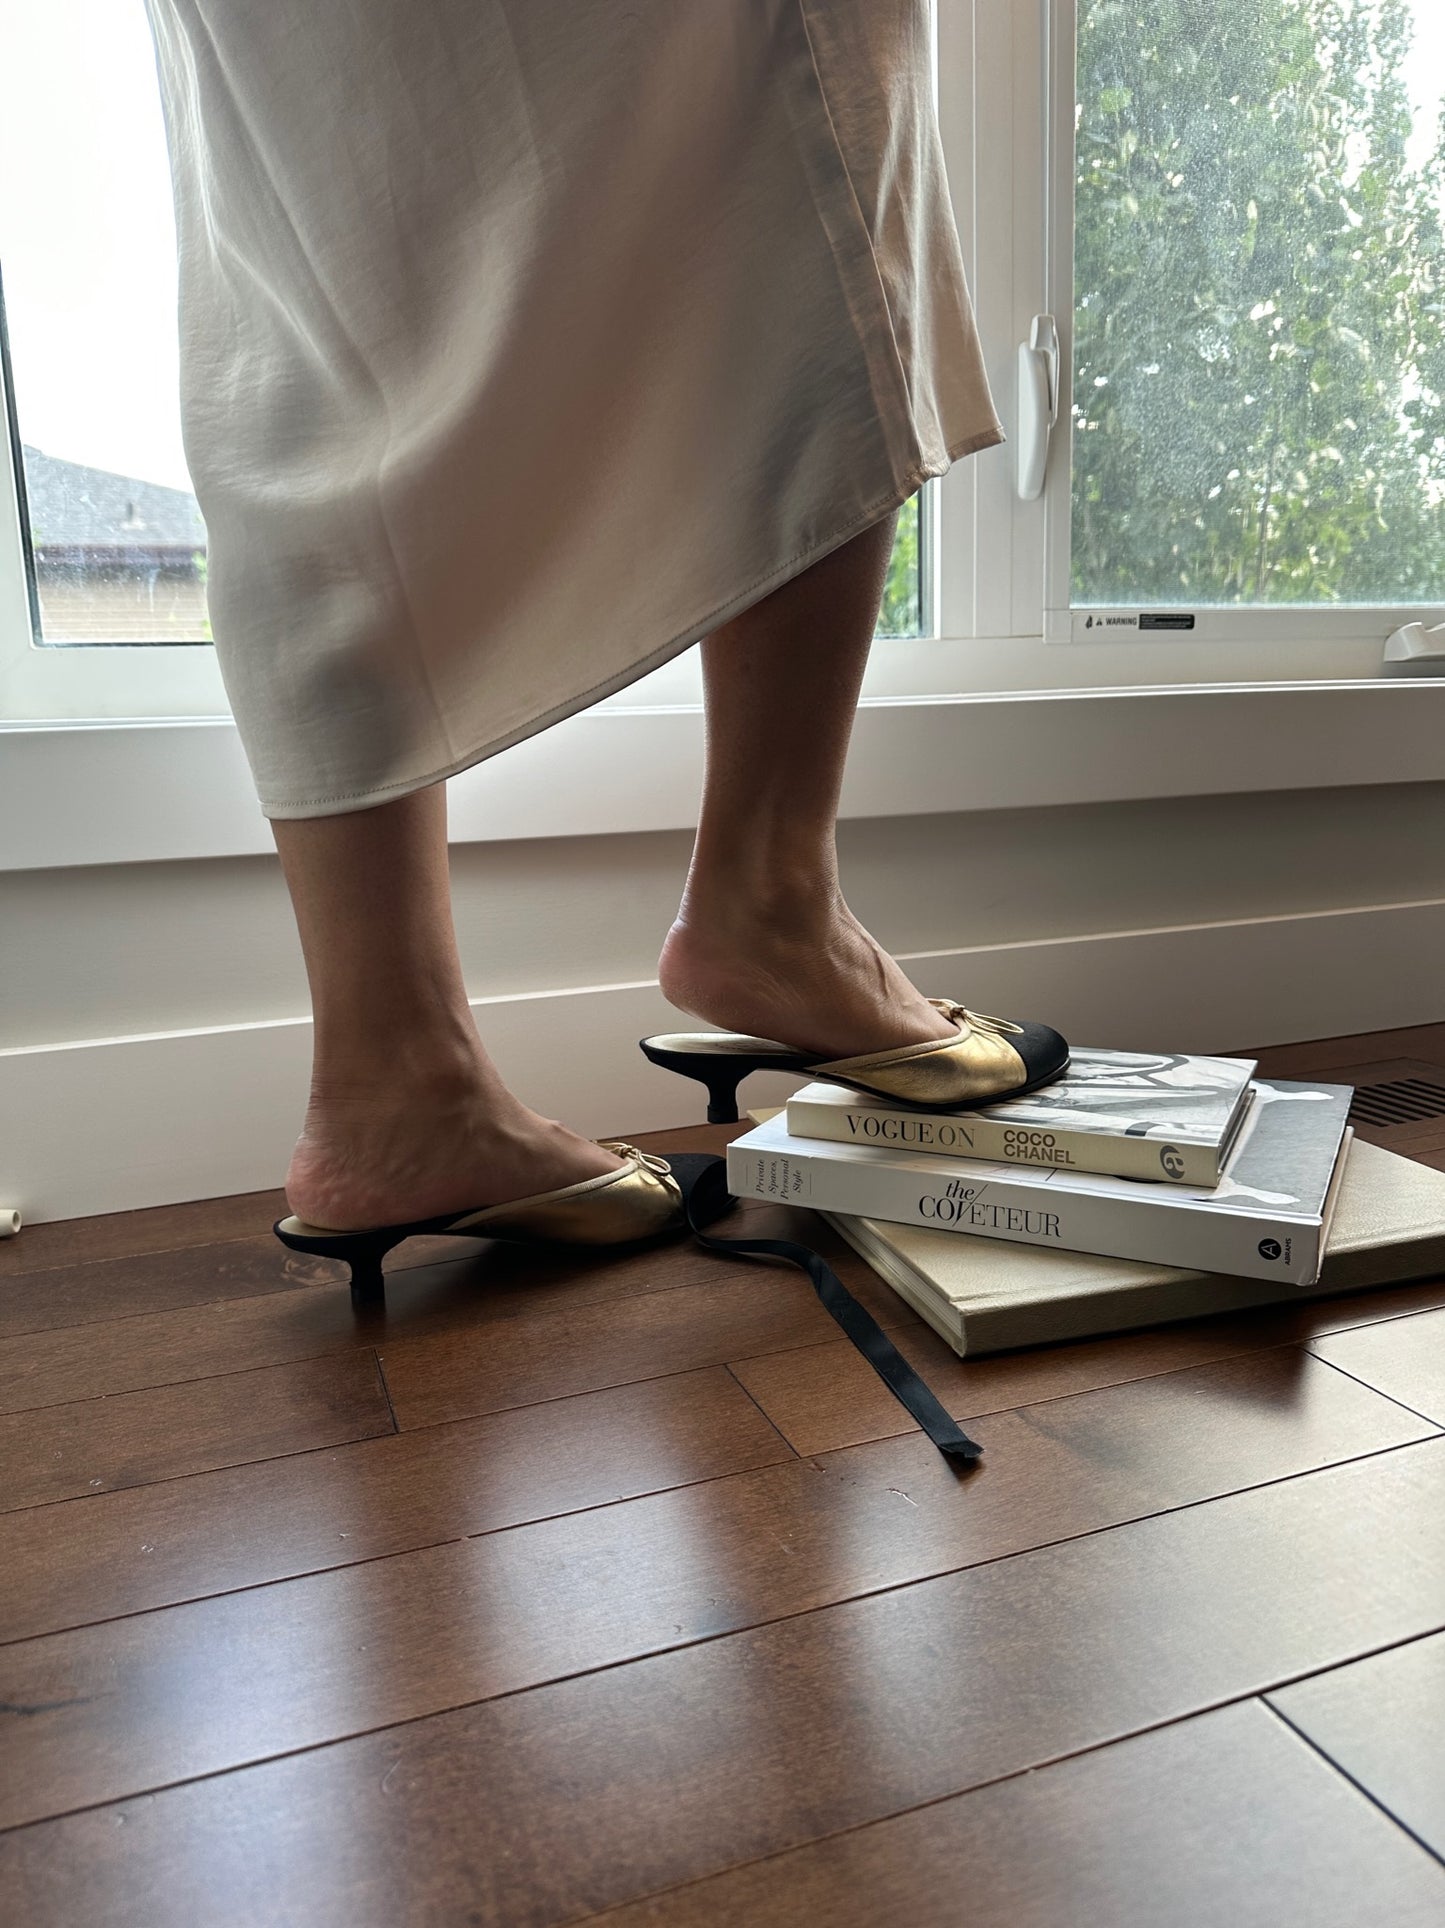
1038,404
1414,643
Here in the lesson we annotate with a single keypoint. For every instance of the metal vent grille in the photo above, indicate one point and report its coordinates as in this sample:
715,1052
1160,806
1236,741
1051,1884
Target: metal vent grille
1402,1102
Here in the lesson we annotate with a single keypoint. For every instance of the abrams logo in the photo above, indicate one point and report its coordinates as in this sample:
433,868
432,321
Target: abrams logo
1270,1248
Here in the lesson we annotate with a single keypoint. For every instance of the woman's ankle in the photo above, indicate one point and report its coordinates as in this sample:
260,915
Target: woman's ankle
793,891
372,1073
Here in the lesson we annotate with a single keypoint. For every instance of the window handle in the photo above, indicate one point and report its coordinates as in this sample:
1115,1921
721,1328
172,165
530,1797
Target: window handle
1038,404
1414,643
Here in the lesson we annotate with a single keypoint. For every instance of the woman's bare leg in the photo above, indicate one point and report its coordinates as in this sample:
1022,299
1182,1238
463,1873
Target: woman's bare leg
764,942
407,1116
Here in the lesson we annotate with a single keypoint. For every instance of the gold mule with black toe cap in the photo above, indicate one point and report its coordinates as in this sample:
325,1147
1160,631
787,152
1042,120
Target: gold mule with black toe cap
987,1060
640,1202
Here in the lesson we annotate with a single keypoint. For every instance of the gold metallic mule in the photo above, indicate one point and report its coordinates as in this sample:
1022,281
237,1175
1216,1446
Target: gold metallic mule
639,1202
989,1059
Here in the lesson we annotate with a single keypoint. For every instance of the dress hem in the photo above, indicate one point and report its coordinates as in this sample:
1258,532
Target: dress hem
339,803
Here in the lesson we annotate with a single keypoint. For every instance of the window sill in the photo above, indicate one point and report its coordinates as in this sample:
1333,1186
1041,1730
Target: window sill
147,791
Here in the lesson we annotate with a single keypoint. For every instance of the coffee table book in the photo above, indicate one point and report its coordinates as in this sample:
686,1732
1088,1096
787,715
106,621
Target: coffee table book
985,1295
1267,1217
1167,1116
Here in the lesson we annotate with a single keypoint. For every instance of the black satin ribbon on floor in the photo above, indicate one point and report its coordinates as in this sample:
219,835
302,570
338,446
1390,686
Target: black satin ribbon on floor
706,1196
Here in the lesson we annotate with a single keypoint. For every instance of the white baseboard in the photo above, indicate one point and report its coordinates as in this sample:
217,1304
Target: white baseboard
114,1124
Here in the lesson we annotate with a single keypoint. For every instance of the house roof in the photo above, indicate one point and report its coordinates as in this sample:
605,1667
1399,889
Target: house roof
72,505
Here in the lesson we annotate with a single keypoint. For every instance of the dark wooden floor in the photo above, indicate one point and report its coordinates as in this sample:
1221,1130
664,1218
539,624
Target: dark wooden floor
624,1586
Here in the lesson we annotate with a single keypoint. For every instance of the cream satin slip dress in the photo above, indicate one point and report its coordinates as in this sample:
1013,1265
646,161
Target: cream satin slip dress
523,342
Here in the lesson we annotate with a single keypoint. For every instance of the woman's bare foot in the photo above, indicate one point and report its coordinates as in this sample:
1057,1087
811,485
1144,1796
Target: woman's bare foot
434,1144
804,974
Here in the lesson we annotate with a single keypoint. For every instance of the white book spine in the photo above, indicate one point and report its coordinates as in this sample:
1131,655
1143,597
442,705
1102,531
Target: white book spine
1247,1244
1115,1155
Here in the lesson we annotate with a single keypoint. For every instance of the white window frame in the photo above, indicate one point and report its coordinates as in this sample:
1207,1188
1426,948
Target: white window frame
994,712
1023,137
117,680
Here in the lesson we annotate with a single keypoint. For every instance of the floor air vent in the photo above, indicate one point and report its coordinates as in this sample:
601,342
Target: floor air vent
1402,1102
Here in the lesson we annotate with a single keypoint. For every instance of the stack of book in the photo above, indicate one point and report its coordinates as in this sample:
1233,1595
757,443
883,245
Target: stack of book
1136,1188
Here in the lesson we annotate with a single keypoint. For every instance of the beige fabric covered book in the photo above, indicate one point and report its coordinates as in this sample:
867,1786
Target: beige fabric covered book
988,1295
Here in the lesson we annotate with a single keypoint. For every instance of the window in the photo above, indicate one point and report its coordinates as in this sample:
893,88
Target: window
107,611
1259,305
1231,209
102,555
115,544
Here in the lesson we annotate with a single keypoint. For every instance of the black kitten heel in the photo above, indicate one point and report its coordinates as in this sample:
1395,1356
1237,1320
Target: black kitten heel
720,1074
362,1251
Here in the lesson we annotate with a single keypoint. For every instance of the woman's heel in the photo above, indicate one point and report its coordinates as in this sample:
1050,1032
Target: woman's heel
722,1075
362,1251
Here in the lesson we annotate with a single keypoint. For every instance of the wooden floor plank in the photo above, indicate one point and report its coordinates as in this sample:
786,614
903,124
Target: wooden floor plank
590,1792
502,1302
196,1275
1404,1359
87,1561
132,1439
1225,1818
41,1369
101,1290
312,1659
1380,1721
826,1396
1318,1057
741,1309
156,1228
106,1289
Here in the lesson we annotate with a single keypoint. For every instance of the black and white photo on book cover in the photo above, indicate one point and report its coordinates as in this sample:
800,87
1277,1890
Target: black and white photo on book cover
1282,1160
1137,1094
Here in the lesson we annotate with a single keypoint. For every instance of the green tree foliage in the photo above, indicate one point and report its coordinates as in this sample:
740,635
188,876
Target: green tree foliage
1260,307
901,614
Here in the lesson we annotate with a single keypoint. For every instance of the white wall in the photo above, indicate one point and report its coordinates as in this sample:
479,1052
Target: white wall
213,943
169,1060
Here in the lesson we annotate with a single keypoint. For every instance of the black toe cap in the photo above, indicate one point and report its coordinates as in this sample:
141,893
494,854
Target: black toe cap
1044,1051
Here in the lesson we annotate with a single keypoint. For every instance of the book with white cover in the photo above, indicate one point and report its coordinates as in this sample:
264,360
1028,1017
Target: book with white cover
985,1295
1266,1218
1167,1116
